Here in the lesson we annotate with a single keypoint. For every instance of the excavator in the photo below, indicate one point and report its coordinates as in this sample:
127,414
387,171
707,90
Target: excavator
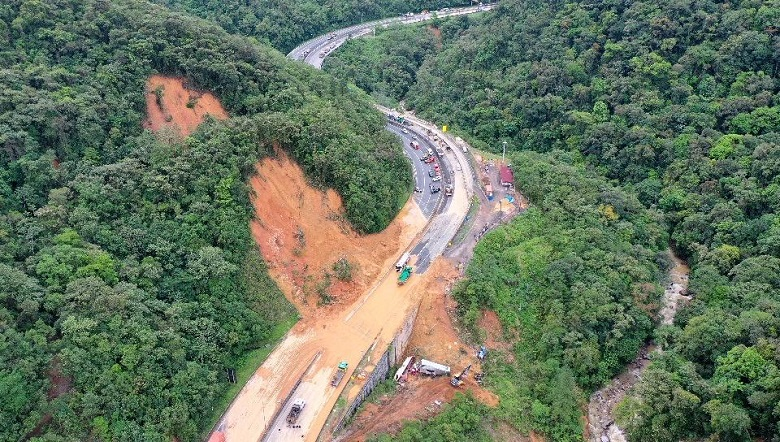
457,380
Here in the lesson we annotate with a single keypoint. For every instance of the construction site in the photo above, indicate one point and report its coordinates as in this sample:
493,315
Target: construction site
383,322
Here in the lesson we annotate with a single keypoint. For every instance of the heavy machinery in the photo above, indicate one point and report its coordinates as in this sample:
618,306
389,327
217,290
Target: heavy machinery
339,375
405,274
295,411
457,380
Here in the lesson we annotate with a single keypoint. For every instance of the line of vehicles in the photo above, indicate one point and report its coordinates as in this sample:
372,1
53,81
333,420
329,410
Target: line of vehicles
299,404
428,157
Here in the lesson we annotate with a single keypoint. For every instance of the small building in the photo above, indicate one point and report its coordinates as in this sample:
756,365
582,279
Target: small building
506,176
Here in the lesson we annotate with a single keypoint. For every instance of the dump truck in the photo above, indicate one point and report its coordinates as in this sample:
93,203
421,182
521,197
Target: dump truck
339,375
405,274
295,411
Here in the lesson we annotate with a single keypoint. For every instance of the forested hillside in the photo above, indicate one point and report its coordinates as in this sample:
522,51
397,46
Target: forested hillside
287,23
572,282
128,277
677,102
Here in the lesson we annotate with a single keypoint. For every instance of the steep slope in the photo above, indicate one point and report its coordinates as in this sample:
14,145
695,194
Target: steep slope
126,259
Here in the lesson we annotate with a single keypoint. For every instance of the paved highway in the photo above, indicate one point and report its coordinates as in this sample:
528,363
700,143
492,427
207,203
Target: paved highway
260,409
427,201
315,50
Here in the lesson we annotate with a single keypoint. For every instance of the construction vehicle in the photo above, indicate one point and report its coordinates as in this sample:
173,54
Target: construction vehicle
405,274
295,411
457,380
339,375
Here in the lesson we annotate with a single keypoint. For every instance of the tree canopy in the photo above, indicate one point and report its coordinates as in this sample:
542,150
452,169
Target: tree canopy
129,280
676,103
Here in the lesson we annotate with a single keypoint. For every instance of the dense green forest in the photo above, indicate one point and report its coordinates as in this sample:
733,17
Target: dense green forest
287,23
572,280
677,102
463,420
128,277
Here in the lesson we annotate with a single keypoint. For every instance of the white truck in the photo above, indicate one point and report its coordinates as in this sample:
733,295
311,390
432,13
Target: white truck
402,262
433,369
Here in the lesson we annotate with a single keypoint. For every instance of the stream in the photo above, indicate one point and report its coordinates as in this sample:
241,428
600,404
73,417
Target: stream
601,422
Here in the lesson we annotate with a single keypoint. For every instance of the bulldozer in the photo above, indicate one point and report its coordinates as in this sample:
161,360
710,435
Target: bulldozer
457,380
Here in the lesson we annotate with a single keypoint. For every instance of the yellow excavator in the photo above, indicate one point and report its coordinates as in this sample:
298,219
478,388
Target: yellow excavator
457,380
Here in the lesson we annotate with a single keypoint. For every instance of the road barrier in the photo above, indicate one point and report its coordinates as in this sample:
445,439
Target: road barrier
389,358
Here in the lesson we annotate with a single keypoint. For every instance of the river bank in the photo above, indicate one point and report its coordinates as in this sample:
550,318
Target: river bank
601,421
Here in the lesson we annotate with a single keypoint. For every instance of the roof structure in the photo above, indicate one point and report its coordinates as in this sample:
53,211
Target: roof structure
506,176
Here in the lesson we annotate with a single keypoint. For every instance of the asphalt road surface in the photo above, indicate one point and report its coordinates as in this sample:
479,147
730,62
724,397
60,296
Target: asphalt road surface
315,50
427,201
260,409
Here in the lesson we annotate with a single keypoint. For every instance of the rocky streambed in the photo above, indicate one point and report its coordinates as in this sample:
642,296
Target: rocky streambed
601,420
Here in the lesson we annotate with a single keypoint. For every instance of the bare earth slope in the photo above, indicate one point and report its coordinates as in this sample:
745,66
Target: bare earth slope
171,109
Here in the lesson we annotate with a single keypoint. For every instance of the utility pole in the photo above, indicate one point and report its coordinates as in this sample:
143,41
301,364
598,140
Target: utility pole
503,155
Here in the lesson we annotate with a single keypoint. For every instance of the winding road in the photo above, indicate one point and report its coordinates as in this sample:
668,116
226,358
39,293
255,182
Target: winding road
301,365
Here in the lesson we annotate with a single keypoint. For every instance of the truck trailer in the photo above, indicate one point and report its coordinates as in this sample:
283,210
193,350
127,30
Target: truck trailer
433,369
402,262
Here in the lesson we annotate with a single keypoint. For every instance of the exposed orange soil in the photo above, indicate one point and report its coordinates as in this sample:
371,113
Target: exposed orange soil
494,334
301,233
435,338
436,33
173,111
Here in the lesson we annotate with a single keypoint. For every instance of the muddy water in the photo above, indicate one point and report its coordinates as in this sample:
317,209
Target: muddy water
601,420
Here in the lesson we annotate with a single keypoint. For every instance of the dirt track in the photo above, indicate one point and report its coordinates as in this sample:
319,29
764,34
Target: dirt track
369,307
434,337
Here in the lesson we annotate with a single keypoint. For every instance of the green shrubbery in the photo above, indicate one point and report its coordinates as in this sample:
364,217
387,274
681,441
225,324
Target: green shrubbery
128,260
675,102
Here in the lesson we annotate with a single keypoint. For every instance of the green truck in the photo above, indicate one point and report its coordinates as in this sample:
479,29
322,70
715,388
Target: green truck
405,274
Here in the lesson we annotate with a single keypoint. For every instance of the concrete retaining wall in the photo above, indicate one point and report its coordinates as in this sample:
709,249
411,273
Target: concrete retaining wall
389,358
